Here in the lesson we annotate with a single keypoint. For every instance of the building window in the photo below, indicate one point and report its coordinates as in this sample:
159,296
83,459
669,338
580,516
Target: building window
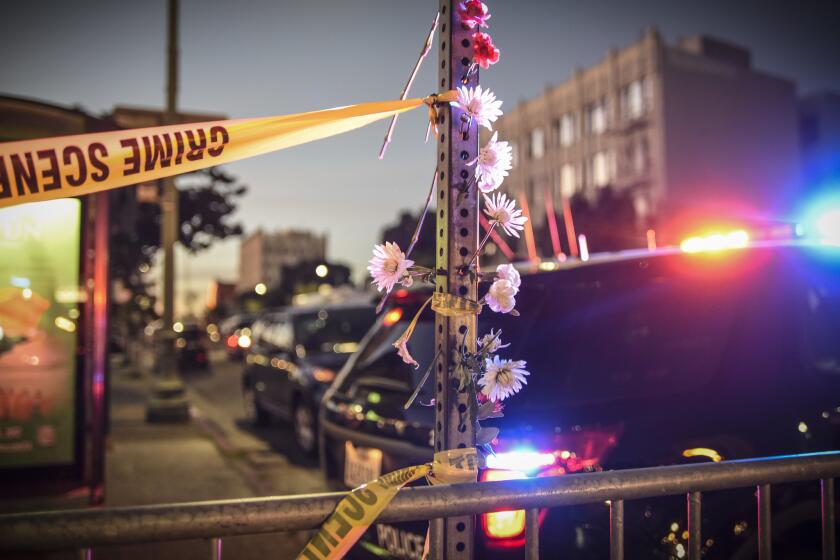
537,143
603,168
568,181
636,99
641,156
596,114
567,130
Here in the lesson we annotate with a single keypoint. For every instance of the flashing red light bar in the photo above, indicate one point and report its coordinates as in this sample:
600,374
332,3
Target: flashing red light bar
737,239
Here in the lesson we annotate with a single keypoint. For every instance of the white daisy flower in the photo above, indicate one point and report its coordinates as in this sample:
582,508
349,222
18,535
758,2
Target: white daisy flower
492,342
503,211
508,272
503,378
388,266
501,296
479,105
492,164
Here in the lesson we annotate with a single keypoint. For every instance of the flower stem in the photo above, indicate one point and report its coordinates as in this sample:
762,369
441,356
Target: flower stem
483,243
468,74
416,235
426,48
422,381
466,123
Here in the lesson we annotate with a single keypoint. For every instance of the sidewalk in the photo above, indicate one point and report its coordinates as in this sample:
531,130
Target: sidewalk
159,463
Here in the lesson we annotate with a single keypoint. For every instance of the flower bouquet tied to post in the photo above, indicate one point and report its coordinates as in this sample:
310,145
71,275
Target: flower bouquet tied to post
488,378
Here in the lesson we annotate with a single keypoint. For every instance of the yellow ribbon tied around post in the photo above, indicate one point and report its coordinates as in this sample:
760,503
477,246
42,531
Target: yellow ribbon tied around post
66,166
450,305
359,509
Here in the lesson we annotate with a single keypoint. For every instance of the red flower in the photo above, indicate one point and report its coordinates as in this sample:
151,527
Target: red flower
498,407
485,52
473,13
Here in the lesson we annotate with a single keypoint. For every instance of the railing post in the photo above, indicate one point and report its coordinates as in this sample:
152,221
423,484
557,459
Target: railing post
215,545
694,522
457,241
829,538
617,530
765,530
532,533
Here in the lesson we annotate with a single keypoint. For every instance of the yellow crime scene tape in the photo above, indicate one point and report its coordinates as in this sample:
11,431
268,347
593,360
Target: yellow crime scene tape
359,509
66,166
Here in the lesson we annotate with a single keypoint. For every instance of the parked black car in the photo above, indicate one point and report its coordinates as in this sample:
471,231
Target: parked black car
636,360
293,357
191,348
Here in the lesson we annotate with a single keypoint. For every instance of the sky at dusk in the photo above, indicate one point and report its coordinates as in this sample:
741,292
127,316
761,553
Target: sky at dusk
262,58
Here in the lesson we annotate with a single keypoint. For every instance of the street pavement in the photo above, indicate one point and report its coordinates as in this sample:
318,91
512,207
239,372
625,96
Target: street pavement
217,455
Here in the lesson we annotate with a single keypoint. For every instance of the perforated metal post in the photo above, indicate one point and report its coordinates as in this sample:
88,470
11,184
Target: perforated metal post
457,241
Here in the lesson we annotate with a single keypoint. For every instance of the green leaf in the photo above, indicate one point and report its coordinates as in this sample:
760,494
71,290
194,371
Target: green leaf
486,434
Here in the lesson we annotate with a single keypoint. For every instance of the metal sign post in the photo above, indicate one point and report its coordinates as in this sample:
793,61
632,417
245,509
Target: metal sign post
457,241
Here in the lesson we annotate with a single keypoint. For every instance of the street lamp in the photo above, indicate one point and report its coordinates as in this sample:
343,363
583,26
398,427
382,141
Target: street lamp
321,270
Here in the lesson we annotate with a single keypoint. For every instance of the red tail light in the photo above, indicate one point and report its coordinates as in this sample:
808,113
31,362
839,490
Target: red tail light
232,341
503,524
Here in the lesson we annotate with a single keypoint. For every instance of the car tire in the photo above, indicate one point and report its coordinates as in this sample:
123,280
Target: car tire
305,428
254,413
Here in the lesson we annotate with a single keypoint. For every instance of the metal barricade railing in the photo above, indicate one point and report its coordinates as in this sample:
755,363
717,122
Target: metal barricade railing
85,529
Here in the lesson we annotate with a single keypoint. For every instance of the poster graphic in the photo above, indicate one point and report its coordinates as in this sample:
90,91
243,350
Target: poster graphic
39,314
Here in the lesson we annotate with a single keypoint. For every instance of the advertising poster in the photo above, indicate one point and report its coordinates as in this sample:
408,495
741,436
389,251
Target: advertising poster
39,319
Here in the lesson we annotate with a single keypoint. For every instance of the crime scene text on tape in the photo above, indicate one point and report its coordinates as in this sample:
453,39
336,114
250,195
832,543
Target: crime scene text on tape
66,166
359,509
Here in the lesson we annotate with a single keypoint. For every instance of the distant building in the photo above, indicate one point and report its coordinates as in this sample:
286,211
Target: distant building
220,297
262,256
670,126
819,116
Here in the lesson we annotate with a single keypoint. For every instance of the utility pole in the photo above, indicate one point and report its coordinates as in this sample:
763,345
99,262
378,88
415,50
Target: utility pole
169,200
168,402
457,241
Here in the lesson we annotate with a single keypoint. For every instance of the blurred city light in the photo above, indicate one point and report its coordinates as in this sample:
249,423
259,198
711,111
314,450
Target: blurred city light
393,317
260,289
324,375
178,326
584,247
65,324
702,452
321,270
20,282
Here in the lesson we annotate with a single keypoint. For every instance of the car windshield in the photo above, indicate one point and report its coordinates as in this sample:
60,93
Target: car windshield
333,330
